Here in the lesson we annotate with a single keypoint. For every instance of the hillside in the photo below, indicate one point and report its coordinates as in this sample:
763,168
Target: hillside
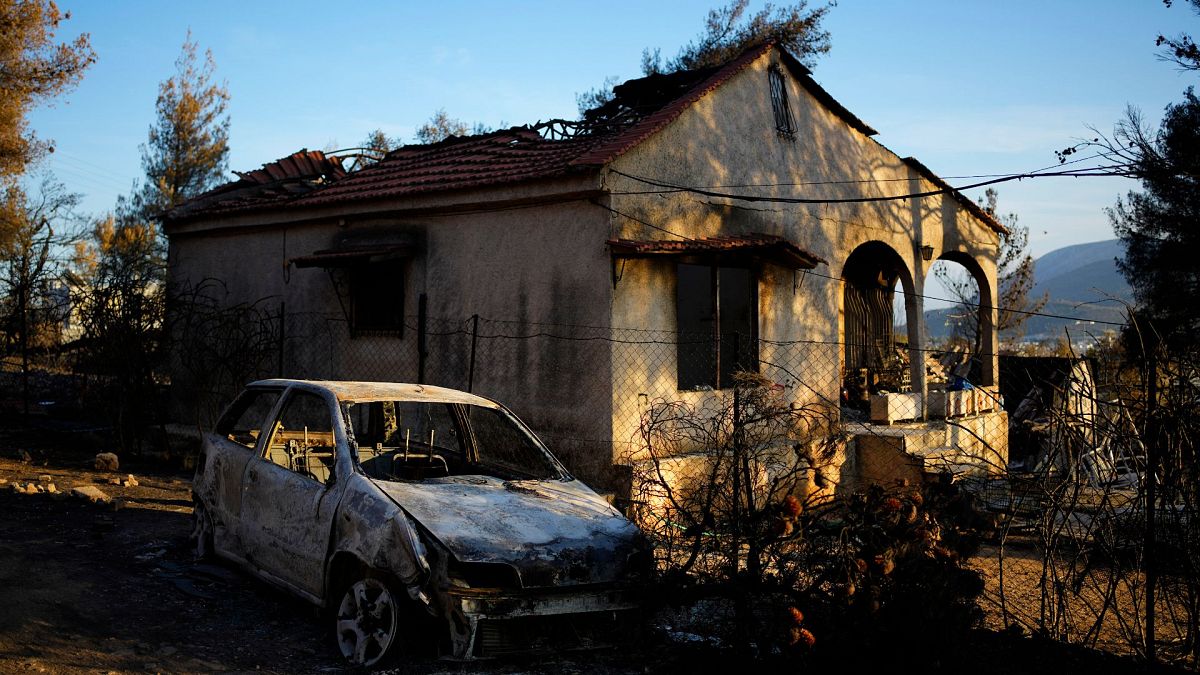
1079,281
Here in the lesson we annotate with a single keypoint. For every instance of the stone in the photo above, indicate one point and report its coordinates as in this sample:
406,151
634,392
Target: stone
31,489
107,461
51,487
114,481
91,493
131,481
45,478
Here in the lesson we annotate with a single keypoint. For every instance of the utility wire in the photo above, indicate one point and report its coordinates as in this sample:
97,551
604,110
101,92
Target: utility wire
672,187
915,295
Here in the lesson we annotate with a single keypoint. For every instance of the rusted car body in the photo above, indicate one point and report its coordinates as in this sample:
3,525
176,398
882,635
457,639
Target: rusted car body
396,506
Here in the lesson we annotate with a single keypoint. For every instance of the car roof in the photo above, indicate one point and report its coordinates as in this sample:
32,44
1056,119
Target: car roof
362,392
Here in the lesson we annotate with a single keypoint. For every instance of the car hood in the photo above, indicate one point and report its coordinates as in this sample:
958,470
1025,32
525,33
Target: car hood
553,532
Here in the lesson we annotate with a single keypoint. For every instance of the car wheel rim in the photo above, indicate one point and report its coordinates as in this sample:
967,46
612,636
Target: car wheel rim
366,622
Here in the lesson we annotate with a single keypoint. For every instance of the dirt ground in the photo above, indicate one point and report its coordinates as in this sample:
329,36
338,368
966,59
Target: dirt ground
87,588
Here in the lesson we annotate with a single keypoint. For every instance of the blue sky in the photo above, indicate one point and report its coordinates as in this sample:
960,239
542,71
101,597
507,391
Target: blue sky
968,87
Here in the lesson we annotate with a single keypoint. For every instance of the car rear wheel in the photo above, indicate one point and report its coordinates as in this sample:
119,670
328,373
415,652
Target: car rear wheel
367,622
201,537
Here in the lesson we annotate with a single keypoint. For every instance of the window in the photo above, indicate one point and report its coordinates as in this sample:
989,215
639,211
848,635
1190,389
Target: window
302,438
242,423
784,123
501,444
416,440
377,297
717,314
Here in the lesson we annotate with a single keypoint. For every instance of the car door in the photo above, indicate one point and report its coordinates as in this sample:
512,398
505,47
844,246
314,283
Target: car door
290,492
236,439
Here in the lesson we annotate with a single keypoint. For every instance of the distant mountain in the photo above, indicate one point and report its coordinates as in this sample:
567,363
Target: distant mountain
1079,280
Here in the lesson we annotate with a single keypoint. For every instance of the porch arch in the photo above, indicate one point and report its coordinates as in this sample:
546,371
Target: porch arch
869,279
987,345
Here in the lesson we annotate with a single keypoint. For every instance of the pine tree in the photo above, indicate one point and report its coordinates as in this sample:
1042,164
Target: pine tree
728,31
188,146
33,69
1159,225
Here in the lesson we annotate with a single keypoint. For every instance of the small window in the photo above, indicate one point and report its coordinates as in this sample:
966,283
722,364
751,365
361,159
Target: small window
377,297
717,314
243,422
302,438
784,123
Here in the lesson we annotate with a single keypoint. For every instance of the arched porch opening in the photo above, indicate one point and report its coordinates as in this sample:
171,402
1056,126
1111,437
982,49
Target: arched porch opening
967,342
875,359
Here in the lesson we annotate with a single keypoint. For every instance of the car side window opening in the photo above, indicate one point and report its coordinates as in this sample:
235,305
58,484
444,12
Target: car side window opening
414,440
243,422
302,438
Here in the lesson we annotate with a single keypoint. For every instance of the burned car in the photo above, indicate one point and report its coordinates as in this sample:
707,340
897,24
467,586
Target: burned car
416,516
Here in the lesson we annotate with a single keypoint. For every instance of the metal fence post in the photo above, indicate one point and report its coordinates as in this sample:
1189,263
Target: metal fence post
1152,460
282,335
474,343
422,329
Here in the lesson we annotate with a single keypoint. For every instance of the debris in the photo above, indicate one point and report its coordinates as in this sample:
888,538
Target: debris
114,481
45,478
51,488
129,481
107,461
190,588
31,489
91,493
151,555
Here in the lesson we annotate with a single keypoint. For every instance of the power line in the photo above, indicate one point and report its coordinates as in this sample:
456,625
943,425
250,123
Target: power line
674,188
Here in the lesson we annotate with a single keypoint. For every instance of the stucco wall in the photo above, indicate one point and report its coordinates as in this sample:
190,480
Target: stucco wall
522,270
727,141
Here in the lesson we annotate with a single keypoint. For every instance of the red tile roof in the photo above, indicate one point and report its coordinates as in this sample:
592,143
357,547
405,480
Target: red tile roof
509,156
497,158
768,246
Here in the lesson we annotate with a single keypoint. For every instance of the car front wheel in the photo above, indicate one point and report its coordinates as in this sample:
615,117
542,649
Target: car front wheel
367,622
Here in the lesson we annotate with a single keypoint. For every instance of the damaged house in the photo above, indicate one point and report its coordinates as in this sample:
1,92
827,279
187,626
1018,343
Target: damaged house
702,223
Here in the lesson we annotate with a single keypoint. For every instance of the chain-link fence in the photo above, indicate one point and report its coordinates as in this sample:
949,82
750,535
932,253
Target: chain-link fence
1064,454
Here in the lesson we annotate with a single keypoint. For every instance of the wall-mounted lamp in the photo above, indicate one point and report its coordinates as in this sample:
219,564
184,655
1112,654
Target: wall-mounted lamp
926,252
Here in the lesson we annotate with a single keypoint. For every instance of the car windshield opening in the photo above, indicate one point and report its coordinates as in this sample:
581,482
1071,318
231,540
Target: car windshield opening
417,440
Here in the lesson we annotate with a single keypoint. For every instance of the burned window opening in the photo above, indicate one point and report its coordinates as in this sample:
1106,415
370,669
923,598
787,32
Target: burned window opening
377,298
717,324
785,124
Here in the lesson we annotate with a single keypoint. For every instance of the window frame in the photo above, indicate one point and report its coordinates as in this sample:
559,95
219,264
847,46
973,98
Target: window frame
716,375
359,277
785,121
273,427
